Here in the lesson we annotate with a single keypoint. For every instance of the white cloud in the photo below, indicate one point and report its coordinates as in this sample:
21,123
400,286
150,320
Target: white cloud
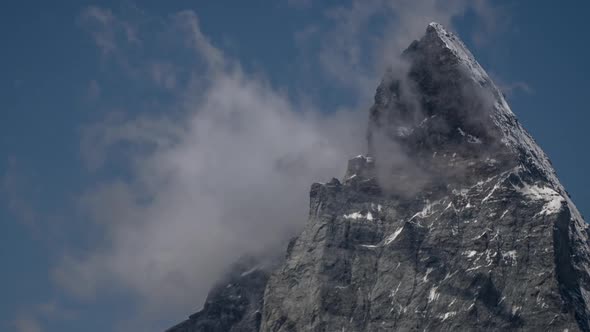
227,175
224,170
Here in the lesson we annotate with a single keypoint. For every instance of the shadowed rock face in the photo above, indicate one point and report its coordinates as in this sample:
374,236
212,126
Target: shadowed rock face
455,221
235,303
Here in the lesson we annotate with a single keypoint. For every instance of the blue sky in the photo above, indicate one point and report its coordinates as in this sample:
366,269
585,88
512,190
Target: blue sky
114,112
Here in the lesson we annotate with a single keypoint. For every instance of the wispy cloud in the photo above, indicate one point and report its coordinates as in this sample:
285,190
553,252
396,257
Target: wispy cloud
106,28
225,167
365,37
512,87
222,171
93,90
26,324
15,193
34,318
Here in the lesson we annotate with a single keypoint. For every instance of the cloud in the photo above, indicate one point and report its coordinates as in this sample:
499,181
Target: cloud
93,91
164,74
107,29
364,40
224,168
26,324
189,23
222,171
34,318
365,37
517,86
15,192
510,88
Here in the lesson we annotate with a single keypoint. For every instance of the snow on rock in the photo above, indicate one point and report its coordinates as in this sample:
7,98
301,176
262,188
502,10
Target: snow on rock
486,228
467,59
359,215
351,177
433,294
470,253
354,215
393,236
428,271
393,292
448,315
249,271
426,211
553,200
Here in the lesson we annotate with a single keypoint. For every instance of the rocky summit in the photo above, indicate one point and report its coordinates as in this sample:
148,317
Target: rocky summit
454,221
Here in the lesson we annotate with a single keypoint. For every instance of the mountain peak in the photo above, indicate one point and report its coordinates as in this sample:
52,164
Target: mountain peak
455,221
434,27
439,41
443,102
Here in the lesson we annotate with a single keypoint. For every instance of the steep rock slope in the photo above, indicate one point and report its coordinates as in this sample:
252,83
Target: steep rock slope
235,303
470,230
454,221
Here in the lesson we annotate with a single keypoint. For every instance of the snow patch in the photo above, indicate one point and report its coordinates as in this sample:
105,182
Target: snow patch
473,268
426,211
470,253
359,215
249,271
503,214
496,187
354,215
393,292
516,310
370,246
553,200
447,315
393,236
433,294
428,271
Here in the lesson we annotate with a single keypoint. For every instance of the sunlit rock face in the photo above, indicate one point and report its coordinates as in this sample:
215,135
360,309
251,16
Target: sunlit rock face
454,221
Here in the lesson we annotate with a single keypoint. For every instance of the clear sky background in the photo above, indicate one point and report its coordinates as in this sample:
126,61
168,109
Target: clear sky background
145,145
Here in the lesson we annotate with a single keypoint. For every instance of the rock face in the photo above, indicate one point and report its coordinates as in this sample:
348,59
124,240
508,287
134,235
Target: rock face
455,221
235,303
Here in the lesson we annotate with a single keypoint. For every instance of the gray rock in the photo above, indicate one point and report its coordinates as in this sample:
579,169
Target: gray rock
456,220
235,303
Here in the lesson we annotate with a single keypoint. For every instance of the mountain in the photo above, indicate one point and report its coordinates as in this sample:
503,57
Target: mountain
455,221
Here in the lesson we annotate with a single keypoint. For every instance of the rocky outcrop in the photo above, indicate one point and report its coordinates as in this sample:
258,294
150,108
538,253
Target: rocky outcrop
235,303
455,221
